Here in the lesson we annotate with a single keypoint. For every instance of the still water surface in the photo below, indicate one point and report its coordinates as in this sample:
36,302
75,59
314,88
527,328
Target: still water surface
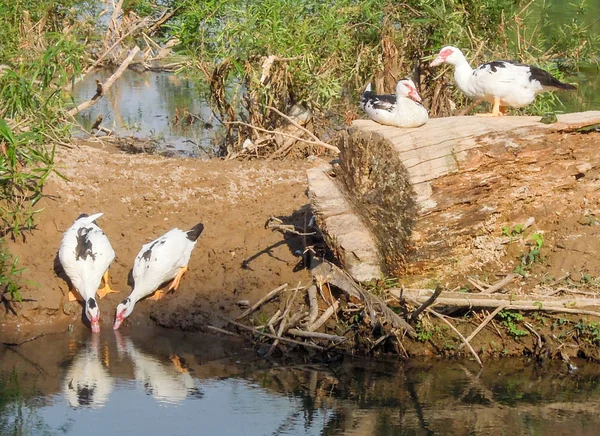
158,382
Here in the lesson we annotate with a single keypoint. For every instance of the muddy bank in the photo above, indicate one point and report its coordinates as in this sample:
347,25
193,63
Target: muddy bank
142,197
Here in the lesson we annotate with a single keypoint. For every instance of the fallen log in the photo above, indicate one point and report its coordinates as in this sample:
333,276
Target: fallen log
426,196
517,302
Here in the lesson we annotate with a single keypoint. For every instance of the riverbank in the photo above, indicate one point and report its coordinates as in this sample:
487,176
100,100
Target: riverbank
142,197
239,259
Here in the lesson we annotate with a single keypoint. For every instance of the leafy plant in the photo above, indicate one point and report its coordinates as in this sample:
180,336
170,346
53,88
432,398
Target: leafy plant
423,334
529,258
510,320
588,332
9,272
24,168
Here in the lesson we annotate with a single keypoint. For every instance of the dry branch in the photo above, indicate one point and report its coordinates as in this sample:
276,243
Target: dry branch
314,304
426,304
262,301
104,87
462,338
324,317
260,333
316,335
324,271
499,285
275,132
481,326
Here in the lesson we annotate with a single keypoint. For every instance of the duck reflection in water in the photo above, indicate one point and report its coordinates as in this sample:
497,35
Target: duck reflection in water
169,383
88,382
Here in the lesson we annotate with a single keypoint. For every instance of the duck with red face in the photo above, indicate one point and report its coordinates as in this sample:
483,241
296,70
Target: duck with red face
85,255
403,109
502,83
160,261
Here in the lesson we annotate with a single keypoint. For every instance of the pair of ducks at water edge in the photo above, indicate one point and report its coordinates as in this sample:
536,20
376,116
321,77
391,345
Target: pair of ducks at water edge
502,83
85,255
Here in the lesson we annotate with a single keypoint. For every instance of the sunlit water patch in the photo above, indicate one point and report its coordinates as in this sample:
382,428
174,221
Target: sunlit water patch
156,382
160,106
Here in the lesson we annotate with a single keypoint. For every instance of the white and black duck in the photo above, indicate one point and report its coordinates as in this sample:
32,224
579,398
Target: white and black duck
85,255
401,110
158,262
502,83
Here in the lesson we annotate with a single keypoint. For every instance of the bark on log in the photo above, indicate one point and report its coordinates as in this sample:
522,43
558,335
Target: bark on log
429,192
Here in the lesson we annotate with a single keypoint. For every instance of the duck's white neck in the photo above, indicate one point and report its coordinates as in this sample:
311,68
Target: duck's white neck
462,73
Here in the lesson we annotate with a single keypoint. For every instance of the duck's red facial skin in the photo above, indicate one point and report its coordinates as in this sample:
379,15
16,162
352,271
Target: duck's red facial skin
441,57
414,94
119,320
95,324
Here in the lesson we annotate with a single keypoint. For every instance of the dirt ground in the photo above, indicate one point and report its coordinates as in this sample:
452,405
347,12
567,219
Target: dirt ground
142,197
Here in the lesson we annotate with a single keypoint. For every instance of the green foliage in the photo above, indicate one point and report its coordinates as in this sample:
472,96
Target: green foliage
423,334
511,321
529,258
9,272
24,168
588,332
514,231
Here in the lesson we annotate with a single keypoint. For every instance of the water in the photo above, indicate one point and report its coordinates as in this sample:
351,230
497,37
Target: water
561,16
152,105
158,382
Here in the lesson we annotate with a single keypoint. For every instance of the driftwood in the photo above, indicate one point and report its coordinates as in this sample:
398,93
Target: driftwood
324,271
519,302
104,87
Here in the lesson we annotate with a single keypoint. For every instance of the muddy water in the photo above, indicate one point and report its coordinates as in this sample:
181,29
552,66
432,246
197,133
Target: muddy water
164,107
168,383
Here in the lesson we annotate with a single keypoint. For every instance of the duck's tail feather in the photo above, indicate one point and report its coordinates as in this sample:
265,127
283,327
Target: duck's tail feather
90,218
195,232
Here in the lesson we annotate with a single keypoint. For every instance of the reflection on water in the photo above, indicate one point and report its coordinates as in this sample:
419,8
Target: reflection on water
87,383
170,383
163,382
149,105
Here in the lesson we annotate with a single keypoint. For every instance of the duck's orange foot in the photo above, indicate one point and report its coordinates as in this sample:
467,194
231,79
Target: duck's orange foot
175,284
157,295
106,289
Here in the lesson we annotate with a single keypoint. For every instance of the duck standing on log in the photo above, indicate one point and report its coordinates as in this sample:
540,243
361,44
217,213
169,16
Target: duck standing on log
85,255
158,262
401,110
502,83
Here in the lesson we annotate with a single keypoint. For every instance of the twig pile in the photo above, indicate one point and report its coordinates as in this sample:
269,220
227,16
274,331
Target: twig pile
337,314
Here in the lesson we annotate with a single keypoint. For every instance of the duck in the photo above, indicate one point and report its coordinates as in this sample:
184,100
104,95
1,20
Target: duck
502,83
401,110
160,261
85,254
